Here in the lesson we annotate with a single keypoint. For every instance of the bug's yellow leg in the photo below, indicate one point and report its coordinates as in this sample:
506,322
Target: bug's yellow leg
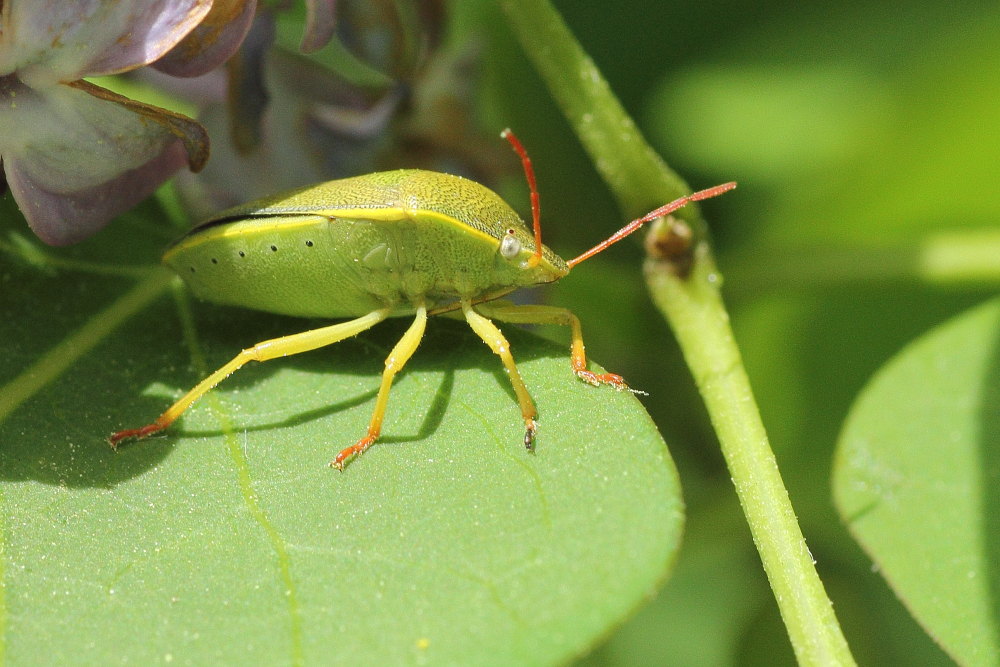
533,314
268,349
400,354
492,336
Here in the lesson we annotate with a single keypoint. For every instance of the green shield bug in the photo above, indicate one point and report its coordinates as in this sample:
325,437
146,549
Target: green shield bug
390,244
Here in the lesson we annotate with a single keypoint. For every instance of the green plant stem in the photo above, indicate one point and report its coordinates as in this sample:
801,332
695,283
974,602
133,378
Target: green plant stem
23,249
636,173
693,306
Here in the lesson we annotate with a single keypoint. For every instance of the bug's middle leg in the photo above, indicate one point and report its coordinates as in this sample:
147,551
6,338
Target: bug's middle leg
537,314
493,337
400,354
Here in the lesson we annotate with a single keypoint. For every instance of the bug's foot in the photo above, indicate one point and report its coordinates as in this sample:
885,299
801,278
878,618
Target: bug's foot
349,453
597,379
612,379
133,433
530,429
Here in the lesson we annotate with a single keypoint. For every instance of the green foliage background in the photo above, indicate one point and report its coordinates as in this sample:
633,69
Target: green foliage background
864,140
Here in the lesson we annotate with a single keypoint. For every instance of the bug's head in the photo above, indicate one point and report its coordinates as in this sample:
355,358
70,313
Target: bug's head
547,262
537,264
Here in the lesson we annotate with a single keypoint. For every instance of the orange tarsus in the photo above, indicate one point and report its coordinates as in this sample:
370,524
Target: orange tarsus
578,359
652,215
613,379
138,433
356,449
536,209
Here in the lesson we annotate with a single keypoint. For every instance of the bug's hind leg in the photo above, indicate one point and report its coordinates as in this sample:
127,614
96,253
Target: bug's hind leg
400,354
535,314
268,349
493,337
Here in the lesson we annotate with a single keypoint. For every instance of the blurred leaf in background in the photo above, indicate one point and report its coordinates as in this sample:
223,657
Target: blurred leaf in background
915,479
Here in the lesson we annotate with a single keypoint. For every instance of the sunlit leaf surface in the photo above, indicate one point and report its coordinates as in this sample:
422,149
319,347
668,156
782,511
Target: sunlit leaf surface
229,538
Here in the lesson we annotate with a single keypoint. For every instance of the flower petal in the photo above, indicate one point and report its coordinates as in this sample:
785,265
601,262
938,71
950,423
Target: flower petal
62,218
296,148
320,24
248,97
188,131
212,42
63,41
393,36
75,156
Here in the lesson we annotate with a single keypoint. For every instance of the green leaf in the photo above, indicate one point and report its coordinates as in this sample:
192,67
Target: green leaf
695,624
229,539
915,479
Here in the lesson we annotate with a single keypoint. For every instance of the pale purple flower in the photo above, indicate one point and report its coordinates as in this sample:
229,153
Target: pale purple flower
75,154
319,24
285,120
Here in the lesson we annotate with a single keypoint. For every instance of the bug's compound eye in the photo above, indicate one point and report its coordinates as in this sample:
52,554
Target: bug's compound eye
510,247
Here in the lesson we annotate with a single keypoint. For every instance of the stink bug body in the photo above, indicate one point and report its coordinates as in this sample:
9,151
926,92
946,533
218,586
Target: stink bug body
391,244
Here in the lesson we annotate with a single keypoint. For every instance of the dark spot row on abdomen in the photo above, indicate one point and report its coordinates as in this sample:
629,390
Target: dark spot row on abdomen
243,254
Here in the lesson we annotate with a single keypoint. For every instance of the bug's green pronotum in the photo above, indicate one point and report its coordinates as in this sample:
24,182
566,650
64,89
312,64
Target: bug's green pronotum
390,244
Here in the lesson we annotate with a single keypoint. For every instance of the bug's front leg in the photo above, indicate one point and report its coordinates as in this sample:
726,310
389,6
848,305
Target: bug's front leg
495,339
533,314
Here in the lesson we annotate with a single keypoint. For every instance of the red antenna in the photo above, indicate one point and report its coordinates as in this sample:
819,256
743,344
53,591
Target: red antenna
652,215
529,174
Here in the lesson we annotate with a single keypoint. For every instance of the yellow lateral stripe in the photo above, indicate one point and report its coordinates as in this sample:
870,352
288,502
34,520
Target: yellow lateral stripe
306,219
229,230
390,214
